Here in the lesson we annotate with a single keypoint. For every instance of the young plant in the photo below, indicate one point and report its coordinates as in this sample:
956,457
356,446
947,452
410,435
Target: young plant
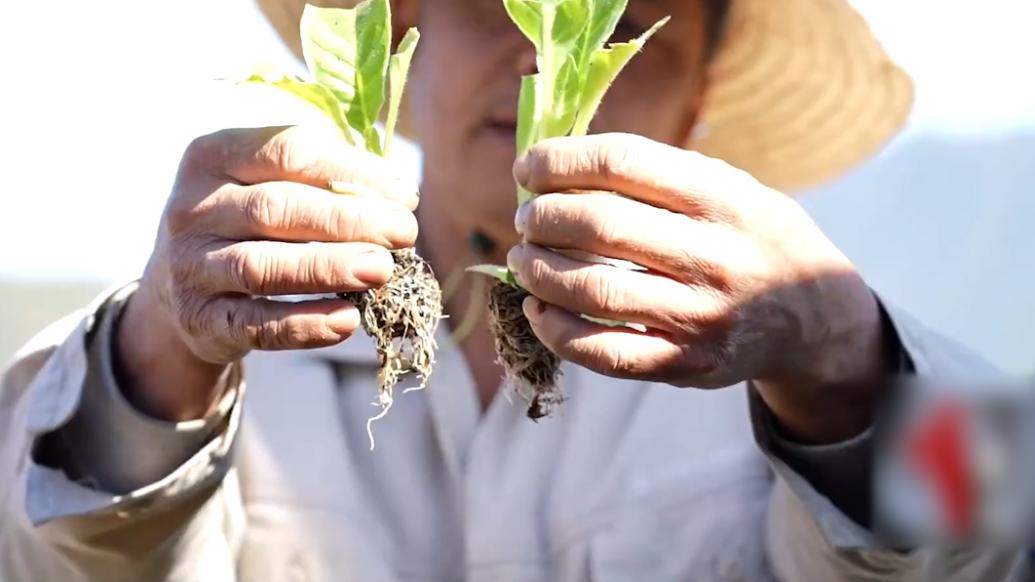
348,54
575,69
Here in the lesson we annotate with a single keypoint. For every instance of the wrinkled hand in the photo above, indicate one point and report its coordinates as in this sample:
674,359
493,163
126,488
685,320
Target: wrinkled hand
251,216
739,283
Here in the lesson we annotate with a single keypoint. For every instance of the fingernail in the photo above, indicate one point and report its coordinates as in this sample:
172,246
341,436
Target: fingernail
533,308
521,218
373,267
522,170
343,321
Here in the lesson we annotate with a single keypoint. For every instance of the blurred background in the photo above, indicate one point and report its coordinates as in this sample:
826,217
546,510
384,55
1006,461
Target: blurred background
101,98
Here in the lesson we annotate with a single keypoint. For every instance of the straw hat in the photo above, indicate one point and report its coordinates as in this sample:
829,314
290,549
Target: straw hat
800,89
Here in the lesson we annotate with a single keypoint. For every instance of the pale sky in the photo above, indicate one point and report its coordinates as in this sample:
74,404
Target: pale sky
102,96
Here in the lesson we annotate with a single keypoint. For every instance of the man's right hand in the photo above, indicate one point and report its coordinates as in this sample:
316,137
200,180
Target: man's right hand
251,216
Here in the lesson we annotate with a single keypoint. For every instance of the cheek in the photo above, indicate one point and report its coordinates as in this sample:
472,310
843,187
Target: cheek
649,99
432,93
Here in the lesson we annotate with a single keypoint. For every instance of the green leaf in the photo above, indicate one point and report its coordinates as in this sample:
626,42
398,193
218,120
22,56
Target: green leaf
373,46
569,20
350,189
574,68
528,16
528,116
604,17
527,124
550,24
329,48
501,273
315,94
372,140
559,118
604,66
347,50
398,70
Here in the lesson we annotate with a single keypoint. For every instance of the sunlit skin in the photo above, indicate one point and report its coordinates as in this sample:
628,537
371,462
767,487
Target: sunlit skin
741,284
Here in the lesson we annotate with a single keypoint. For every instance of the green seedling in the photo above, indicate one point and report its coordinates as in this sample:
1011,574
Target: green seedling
348,54
575,68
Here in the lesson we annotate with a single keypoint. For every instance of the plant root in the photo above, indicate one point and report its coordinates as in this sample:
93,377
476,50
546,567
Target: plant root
532,369
401,317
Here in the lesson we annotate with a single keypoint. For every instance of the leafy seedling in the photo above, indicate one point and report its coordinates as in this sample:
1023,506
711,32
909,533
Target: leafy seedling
348,54
575,68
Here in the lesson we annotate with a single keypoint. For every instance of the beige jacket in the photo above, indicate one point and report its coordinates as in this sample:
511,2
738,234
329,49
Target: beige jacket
630,481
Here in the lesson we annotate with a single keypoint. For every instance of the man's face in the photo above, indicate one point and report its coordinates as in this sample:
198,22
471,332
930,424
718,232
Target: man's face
463,93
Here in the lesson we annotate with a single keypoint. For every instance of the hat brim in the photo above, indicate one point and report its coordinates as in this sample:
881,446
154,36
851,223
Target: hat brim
799,92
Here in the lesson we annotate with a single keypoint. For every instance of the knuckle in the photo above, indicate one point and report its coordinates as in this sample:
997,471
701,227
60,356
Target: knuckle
193,314
614,156
264,207
604,294
535,272
283,334
183,267
541,215
181,218
305,150
604,226
385,224
715,210
266,335
713,321
697,269
205,151
605,357
324,271
235,323
615,359
192,200
343,223
250,271
540,166
709,363
285,150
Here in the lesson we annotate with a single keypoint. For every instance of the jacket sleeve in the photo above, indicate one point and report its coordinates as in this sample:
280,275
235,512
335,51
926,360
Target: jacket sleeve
90,489
810,536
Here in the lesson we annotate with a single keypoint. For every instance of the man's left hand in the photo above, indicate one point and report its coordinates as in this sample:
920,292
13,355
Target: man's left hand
738,283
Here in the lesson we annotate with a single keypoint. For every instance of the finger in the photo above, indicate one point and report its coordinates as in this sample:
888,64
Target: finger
289,211
655,173
238,325
315,156
278,268
609,292
615,351
617,227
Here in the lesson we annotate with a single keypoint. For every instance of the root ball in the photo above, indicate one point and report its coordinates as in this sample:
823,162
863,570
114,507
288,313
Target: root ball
532,369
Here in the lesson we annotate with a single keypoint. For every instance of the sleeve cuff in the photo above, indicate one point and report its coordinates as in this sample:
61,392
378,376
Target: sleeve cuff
108,455
806,470
834,482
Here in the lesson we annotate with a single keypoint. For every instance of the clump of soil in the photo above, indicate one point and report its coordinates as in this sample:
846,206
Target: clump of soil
402,317
532,369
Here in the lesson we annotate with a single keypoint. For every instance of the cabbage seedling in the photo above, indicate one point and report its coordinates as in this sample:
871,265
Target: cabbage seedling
348,54
575,69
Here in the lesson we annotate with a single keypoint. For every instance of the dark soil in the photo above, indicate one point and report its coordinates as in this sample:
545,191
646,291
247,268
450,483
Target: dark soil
402,317
532,369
